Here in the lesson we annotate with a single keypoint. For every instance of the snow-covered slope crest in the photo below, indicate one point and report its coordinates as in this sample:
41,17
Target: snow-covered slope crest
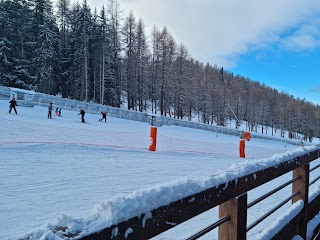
117,209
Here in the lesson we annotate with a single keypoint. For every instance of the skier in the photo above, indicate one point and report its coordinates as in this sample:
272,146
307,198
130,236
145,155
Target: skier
57,111
82,112
50,110
104,116
13,104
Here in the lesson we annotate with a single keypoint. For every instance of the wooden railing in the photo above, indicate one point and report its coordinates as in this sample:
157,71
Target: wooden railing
233,205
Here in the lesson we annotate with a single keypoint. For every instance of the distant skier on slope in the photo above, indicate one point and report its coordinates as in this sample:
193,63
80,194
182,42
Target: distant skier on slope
82,113
50,110
13,104
104,116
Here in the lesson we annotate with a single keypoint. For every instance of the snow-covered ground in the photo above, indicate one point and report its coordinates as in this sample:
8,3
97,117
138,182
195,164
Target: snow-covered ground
61,171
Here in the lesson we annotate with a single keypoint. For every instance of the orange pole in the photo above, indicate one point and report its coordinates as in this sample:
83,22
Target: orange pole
242,147
153,139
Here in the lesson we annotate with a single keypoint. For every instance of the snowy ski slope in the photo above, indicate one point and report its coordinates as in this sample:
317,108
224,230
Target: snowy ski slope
59,170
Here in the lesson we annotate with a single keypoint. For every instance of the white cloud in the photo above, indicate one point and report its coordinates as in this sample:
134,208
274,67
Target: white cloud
220,31
301,42
307,37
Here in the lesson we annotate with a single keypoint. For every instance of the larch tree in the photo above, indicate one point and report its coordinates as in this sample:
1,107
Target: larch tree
167,54
155,69
181,67
142,71
114,76
130,60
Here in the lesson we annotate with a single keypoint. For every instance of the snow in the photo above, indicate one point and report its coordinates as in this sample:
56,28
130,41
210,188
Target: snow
312,224
277,225
314,192
60,172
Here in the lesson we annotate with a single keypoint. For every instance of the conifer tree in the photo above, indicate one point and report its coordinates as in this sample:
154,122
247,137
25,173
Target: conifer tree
17,45
64,47
45,56
82,30
5,64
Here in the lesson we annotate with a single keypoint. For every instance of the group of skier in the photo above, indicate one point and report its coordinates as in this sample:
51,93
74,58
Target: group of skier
82,113
50,108
13,104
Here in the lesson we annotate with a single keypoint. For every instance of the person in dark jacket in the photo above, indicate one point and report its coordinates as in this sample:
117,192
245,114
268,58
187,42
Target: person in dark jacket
82,112
50,110
104,116
13,104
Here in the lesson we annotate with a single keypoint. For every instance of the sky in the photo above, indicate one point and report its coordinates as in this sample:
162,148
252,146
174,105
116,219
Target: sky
274,42
61,172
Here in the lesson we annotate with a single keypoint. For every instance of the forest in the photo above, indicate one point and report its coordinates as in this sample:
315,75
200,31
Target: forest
107,57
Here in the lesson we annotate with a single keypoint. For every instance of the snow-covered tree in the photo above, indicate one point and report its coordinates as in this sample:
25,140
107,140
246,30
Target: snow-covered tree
81,34
46,59
17,45
64,47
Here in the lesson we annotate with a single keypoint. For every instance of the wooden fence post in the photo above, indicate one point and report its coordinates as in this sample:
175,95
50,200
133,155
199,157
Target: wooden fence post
302,185
236,227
